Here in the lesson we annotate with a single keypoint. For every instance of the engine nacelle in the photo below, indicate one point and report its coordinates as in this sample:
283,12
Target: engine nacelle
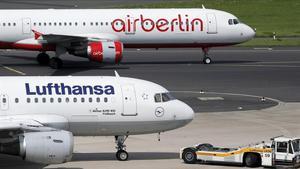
54,147
103,52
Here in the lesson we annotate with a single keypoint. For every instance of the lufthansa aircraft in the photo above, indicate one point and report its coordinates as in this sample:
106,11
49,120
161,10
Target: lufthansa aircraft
40,115
100,35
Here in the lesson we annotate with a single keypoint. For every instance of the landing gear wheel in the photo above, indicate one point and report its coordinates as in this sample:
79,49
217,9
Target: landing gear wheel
122,155
252,160
43,59
207,60
55,63
189,156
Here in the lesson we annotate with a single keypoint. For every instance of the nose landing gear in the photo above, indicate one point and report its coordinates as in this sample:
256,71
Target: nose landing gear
206,59
121,154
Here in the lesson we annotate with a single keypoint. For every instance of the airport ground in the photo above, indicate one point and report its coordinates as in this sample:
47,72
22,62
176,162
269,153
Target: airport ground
229,113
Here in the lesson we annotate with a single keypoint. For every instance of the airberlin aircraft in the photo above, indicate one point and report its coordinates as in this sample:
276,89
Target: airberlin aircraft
40,115
101,34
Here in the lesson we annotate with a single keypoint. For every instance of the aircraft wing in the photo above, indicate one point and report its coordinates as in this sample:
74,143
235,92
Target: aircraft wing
69,38
26,125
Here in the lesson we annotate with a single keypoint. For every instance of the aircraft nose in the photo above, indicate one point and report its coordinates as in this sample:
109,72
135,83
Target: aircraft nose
183,112
249,33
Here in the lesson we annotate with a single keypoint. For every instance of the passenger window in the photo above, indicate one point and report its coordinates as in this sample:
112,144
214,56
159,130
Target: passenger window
34,24
8,24
157,98
98,99
16,100
59,100
74,99
28,100
54,23
60,24
105,99
4,100
282,147
90,99
82,99
83,23
67,100
70,23
44,100
50,23
51,100
36,100
91,23
76,23
14,24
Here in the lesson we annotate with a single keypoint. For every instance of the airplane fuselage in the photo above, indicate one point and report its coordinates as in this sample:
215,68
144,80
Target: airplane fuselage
135,28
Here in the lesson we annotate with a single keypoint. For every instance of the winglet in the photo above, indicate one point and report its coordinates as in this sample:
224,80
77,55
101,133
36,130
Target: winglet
36,34
117,74
203,7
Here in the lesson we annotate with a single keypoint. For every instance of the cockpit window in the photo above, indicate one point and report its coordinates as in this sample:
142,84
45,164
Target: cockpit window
233,21
163,97
157,98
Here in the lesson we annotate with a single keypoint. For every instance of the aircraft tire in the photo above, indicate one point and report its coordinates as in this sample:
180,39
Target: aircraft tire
122,155
43,59
207,60
55,63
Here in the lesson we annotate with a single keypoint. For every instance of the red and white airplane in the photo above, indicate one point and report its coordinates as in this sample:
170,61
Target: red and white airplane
101,34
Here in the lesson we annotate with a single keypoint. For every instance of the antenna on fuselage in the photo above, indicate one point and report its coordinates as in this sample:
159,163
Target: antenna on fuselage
203,7
117,74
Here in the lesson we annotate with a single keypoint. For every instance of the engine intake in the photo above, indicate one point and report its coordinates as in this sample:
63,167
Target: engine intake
103,52
54,147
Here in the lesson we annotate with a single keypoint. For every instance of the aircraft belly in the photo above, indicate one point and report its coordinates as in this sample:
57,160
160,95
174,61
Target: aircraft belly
123,127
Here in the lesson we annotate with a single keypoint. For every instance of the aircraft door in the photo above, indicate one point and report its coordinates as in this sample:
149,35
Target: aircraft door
4,102
26,25
129,100
211,23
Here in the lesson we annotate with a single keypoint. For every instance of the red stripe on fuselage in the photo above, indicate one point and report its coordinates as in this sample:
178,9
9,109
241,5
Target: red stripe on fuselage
34,47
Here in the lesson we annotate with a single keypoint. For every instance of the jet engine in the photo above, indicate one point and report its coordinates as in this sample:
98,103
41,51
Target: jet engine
103,52
52,147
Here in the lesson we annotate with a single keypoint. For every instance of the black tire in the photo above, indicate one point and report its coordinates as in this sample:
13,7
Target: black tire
189,156
207,60
55,63
252,160
43,59
122,155
204,147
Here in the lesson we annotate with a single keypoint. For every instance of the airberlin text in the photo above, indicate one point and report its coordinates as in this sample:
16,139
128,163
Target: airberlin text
63,89
179,23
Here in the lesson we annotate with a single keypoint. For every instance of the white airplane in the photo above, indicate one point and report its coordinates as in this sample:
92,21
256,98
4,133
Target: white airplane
40,115
101,34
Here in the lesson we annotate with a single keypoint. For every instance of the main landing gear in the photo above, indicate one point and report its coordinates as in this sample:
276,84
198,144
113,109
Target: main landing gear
206,59
121,154
44,59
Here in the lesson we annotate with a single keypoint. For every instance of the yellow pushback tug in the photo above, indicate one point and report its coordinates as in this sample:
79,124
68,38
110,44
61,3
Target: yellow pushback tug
280,151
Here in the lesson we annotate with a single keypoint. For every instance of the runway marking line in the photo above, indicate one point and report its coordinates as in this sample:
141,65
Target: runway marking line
14,70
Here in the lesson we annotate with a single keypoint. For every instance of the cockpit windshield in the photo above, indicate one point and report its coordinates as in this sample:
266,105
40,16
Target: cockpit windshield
233,21
163,97
296,145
